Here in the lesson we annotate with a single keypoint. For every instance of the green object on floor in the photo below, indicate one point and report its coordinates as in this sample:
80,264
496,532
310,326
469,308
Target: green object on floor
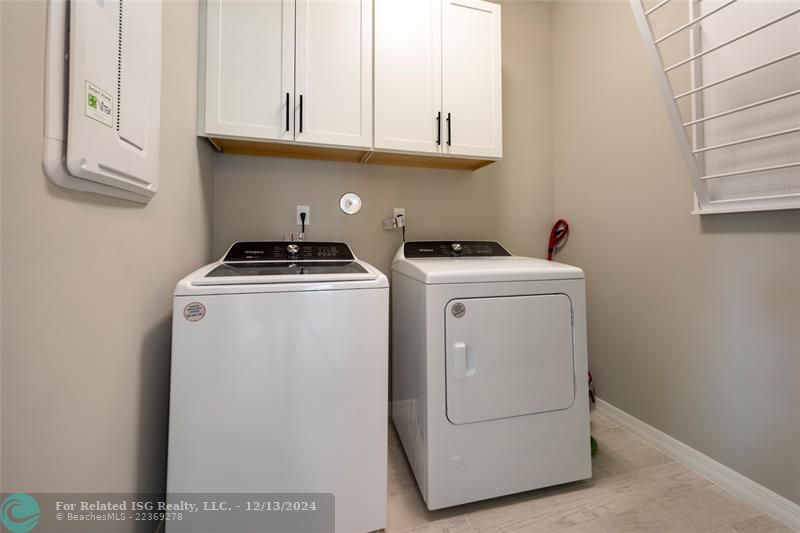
594,445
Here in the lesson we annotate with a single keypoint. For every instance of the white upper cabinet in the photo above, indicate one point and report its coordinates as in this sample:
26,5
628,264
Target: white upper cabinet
471,78
295,78
249,69
333,84
438,85
408,75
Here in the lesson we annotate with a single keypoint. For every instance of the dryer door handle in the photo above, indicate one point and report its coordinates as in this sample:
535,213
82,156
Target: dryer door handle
464,361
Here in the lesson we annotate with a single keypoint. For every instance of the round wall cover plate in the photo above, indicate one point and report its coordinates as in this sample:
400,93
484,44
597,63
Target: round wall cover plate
350,203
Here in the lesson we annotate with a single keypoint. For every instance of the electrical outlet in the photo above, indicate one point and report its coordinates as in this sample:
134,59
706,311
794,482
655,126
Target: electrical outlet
304,209
395,222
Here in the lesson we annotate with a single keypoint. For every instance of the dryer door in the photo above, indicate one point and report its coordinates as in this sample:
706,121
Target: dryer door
508,356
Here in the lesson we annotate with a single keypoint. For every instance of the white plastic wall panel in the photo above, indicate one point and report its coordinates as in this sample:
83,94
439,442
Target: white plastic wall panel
132,92
56,104
115,94
508,356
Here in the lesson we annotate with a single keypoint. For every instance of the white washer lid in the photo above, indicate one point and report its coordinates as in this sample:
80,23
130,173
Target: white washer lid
473,269
277,266
199,283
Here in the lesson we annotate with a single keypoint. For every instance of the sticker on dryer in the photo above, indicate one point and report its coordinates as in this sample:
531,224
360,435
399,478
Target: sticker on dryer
194,311
99,104
458,309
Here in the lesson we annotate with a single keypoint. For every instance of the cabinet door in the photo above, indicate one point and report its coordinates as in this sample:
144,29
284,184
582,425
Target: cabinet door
333,87
249,65
472,87
408,75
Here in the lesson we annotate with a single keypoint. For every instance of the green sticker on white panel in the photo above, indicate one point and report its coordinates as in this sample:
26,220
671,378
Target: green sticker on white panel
99,104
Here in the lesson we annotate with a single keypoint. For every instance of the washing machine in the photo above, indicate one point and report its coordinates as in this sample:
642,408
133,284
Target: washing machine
489,370
279,384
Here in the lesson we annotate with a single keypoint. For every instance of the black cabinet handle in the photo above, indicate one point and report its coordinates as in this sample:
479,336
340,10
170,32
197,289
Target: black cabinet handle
301,113
287,111
438,128
449,132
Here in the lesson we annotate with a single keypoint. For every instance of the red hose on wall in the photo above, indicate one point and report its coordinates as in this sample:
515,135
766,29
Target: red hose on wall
557,235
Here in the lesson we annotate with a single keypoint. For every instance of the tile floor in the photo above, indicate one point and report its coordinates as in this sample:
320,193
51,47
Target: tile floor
635,488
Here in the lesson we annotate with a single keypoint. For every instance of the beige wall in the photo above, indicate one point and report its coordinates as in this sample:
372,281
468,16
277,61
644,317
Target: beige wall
694,323
87,283
511,201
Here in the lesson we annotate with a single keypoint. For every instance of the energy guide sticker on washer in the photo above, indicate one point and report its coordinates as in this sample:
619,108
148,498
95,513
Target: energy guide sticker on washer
194,311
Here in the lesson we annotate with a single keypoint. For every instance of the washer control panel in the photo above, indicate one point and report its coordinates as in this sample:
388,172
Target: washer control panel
418,249
288,251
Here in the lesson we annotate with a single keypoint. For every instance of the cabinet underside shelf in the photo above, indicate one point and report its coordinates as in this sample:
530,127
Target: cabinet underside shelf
268,149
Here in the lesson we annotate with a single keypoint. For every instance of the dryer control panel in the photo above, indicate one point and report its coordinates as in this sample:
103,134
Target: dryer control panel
418,249
288,251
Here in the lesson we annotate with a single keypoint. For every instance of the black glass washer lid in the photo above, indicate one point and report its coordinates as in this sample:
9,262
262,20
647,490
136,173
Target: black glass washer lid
285,268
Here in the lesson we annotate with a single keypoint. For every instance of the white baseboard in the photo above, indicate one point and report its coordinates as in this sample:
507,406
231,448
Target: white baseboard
748,490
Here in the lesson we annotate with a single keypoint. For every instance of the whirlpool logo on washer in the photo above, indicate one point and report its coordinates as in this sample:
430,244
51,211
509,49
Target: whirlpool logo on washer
458,309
